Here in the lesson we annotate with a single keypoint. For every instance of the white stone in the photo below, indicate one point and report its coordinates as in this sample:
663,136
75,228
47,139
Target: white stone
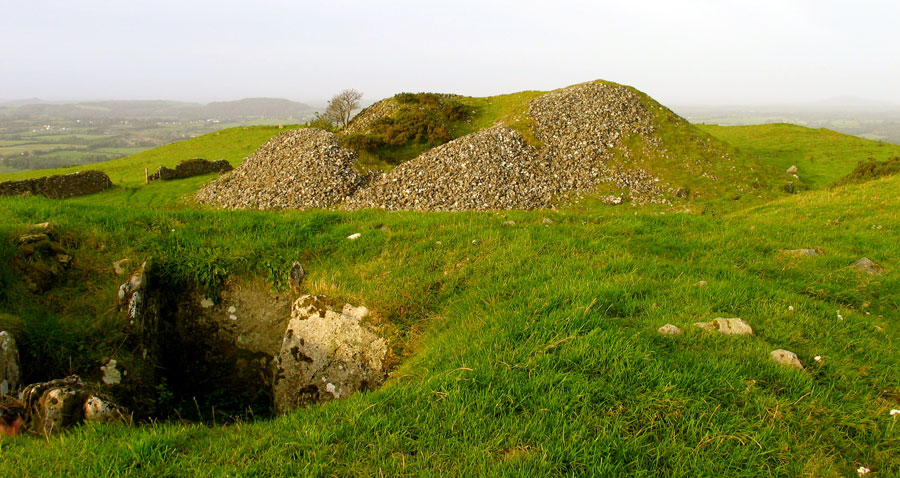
206,303
111,375
786,357
354,236
669,329
732,326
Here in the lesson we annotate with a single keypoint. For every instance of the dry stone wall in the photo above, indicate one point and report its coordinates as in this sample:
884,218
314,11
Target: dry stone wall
58,186
190,168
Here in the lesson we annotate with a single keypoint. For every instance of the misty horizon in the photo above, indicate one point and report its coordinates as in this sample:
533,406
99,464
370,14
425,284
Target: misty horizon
699,52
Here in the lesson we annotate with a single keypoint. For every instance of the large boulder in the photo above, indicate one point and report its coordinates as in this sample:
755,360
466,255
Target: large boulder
10,374
326,355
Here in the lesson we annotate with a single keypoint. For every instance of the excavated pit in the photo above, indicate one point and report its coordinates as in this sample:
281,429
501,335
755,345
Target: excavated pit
235,357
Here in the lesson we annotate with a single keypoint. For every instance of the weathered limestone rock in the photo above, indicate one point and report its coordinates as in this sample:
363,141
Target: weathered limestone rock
669,329
792,170
326,355
100,410
733,326
56,404
868,266
786,357
10,374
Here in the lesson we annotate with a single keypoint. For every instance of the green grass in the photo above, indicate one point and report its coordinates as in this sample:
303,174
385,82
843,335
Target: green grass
231,144
530,351
822,156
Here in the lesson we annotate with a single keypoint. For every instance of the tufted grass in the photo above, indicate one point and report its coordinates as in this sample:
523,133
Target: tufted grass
529,350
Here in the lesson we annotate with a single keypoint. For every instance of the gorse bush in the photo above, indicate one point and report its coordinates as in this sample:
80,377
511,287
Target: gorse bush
422,121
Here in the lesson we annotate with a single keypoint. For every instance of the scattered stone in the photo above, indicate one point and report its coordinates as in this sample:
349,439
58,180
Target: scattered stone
326,355
803,252
509,223
682,193
121,266
701,283
732,326
868,266
111,375
41,228
206,303
63,259
547,221
669,329
10,373
611,200
354,236
786,357
295,277
232,309
792,170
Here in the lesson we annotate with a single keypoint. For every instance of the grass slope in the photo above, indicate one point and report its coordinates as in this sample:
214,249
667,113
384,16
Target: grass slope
822,156
127,174
530,349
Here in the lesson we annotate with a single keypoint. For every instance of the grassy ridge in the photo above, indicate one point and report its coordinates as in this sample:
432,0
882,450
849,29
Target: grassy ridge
822,156
532,349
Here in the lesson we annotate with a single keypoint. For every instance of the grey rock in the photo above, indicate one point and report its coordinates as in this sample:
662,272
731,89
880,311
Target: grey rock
670,329
10,373
726,326
786,357
868,266
326,355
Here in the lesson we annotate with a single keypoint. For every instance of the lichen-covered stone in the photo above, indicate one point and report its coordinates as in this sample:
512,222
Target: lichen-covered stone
786,357
326,355
732,326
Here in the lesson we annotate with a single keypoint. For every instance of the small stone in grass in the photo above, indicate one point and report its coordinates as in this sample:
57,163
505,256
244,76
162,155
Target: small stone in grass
669,329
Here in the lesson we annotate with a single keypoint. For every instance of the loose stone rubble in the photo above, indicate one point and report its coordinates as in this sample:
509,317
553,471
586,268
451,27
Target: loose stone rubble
298,169
326,355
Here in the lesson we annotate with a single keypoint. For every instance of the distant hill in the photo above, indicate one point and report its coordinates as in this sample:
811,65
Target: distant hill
160,109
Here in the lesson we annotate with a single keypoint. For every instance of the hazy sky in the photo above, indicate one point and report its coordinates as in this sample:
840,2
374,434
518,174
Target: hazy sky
680,52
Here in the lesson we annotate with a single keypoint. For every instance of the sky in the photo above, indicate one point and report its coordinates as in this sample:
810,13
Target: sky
680,52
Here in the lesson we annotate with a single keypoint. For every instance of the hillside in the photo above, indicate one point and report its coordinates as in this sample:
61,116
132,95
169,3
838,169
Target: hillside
822,156
527,349
519,342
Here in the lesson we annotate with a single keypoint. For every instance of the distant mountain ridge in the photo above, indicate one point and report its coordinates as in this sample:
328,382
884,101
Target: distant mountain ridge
160,109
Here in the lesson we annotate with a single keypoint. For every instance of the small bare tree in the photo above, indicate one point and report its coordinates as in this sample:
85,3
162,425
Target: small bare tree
341,106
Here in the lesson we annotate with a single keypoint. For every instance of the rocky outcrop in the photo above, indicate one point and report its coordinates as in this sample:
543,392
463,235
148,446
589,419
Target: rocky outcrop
189,168
10,373
59,186
326,355
298,169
